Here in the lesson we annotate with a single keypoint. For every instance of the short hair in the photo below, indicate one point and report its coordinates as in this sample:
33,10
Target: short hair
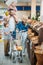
24,17
10,9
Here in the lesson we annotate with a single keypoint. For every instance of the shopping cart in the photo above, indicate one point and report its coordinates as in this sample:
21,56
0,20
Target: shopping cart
16,48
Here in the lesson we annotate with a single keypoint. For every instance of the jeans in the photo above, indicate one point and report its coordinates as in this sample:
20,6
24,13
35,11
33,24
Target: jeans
23,40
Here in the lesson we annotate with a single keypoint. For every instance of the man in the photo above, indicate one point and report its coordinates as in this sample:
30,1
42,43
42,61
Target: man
23,27
12,20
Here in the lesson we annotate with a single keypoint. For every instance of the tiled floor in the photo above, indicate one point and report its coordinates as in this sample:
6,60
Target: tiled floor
7,61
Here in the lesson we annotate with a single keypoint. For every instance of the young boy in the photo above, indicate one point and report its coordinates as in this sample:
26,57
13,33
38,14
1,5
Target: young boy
23,28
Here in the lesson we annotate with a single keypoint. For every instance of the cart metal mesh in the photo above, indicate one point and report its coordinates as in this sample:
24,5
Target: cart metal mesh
17,41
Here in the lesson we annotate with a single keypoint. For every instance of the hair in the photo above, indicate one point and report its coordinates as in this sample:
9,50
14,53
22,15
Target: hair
24,17
10,9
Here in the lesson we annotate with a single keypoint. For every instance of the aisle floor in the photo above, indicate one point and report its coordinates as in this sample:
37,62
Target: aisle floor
7,61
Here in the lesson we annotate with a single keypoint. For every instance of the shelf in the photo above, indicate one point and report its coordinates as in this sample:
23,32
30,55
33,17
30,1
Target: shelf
34,29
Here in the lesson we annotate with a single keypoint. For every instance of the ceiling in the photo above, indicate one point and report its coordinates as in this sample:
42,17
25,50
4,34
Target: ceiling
38,1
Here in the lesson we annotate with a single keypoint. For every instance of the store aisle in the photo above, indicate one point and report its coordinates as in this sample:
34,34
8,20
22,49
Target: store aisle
7,61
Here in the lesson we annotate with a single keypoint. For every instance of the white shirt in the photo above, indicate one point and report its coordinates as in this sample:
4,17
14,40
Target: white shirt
12,24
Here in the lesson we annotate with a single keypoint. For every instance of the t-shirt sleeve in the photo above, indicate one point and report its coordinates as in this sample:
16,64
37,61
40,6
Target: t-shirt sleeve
12,24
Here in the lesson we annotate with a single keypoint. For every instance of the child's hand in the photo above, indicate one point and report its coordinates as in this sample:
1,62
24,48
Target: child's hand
7,33
17,30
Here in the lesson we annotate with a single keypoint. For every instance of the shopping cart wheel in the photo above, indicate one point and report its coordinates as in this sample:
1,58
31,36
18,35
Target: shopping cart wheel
14,57
21,60
14,61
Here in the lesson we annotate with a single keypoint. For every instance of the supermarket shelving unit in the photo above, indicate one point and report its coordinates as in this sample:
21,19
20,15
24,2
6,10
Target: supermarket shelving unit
1,29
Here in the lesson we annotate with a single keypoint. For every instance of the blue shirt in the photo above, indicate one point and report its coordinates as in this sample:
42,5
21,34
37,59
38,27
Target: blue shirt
22,26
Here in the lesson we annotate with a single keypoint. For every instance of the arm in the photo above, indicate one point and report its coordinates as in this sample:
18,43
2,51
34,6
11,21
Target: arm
17,29
6,33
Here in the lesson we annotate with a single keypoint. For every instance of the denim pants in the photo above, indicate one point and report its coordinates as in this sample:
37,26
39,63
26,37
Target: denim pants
23,40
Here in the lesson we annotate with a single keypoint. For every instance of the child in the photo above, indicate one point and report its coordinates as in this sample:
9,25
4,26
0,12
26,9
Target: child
23,28
6,38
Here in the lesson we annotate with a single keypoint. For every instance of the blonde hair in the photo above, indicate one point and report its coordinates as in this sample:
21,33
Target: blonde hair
24,17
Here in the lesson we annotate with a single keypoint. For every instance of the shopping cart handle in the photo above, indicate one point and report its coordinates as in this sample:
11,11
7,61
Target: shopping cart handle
23,31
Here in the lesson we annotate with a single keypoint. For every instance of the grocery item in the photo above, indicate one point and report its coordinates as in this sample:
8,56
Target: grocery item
1,27
0,36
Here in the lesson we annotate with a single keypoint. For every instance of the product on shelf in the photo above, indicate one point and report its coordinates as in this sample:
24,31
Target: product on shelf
0,36
29,31
39,56
37,24
38,47
1,27
31,35
33,22
34,39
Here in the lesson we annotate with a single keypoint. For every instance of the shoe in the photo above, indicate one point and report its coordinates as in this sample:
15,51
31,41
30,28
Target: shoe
6,54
